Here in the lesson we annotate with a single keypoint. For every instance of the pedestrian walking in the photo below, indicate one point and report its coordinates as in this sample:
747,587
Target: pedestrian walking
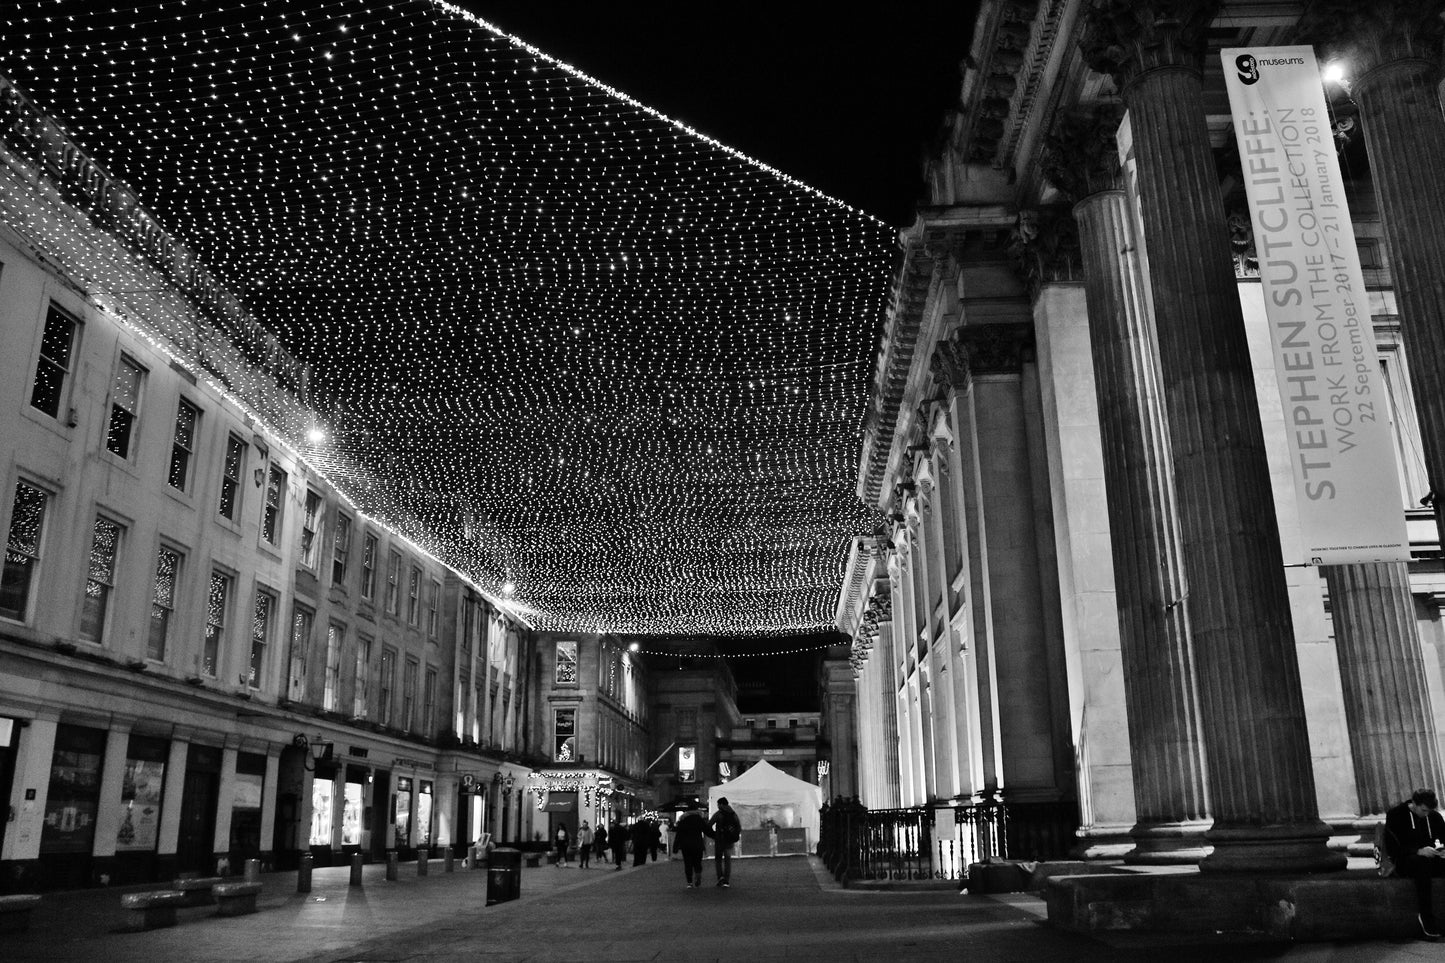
641,836
617,839
601,838
584,845
688,836
562,841
654,837
726,831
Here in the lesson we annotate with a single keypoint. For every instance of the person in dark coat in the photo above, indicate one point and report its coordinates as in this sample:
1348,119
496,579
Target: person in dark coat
617,839
601,841
562,841
1415,839
726,831
641,836
688,836
654,838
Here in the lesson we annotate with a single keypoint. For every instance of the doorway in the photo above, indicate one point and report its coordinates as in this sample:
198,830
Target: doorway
195,848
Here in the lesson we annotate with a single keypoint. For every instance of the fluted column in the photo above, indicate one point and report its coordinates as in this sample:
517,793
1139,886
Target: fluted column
1392,736
1261,782
1171,791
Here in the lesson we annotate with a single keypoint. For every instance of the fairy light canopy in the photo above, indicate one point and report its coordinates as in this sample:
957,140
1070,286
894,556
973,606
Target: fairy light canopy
604,365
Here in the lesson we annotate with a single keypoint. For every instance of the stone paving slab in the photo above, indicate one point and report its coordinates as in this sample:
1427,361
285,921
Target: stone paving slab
784,910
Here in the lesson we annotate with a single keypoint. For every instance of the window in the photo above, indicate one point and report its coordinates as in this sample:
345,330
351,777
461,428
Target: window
331,693
216,601
413,596
340,549
408,694
57,345
429,702
432,600
393,582
361,682
231,477
311,530
567,663
564,741
182,445
772,723
124,407
271,511
388,682
301,621
163,603
22,551
261,615
100,579
368,566
792,723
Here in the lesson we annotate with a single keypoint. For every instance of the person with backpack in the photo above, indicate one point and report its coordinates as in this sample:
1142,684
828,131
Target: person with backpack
1415,840
726,831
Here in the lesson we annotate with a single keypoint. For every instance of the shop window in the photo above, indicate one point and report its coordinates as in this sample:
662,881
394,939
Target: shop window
567,662
564,735
368,566
302,620
231,470
423,813
57,347
262,614
141,791
74,793
246,800
217,601
100,579
341,549
22,551
331,688
163,603
275,502
361,682
323,810
401,813
124,407
183,445
351,809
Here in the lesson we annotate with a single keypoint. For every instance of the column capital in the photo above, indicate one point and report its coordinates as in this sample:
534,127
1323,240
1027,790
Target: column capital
1371,35
976,349
1045,247
1081,154
1126,39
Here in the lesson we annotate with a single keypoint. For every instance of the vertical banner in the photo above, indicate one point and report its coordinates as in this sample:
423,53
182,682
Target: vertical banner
1335,407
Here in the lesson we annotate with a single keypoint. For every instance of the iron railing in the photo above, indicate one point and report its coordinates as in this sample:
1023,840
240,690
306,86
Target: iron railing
940,842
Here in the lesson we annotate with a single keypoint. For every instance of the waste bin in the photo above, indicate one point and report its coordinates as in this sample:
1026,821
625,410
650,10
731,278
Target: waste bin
504,875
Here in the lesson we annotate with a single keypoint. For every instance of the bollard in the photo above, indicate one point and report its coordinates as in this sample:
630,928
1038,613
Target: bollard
467,863
421,856
447,861
303,874
253,871
391,865
355,869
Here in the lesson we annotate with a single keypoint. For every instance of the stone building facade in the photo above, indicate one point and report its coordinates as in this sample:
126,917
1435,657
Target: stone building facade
1081,602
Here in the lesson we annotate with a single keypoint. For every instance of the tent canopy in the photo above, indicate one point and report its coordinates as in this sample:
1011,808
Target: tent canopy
765,793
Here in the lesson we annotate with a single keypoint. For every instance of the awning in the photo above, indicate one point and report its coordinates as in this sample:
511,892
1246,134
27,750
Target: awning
559,806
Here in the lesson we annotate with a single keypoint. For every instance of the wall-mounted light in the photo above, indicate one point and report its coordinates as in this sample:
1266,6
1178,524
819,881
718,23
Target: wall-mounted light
316,751
260,475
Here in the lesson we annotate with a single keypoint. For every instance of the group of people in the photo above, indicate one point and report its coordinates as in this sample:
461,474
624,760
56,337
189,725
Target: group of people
691,831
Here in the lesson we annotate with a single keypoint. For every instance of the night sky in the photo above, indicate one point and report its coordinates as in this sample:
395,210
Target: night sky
843,103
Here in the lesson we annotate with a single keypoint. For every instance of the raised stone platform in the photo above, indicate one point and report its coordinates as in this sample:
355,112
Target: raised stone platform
1354,904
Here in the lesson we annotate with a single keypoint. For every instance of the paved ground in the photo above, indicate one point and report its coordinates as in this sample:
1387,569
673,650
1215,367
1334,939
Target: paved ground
777,910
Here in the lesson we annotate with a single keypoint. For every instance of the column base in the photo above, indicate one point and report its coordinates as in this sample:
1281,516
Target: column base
1170,844
1102,842
1300,848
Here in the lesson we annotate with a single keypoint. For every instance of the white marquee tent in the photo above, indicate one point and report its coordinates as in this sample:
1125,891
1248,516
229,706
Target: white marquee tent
766,795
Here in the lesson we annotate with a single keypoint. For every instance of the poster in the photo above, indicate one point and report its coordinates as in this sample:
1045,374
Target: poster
140,797
70,805
1336,410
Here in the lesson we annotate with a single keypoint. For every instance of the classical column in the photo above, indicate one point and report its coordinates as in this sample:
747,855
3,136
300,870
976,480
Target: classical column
1382,675
1262,791
887,695
1171,791
1392,50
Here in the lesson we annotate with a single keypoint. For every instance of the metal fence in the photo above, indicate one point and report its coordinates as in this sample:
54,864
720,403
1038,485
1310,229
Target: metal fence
940,842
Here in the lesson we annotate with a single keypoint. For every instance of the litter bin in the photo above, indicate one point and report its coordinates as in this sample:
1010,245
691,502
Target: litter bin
504,875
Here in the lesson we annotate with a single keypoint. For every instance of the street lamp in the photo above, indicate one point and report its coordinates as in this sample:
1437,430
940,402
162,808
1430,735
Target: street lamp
317,751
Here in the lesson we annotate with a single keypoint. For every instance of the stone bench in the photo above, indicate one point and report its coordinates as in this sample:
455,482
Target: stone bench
15,912
196,889
149,911
235,899
533,859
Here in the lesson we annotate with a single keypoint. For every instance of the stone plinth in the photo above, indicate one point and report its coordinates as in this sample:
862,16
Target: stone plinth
1337,906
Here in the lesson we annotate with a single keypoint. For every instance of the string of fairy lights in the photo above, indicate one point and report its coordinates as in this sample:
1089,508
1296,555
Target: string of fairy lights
602,364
